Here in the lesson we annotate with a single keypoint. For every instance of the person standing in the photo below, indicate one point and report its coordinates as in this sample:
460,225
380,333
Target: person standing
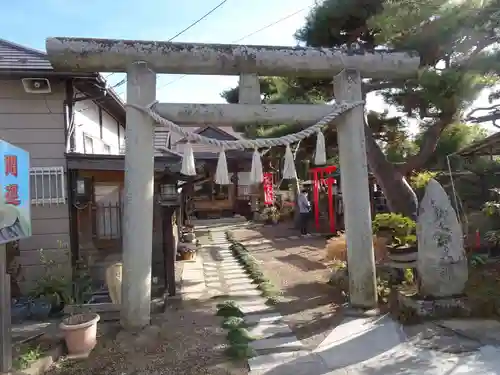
304,211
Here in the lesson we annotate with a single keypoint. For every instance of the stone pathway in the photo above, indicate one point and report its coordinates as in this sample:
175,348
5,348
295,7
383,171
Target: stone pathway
228,276
216,273
358,346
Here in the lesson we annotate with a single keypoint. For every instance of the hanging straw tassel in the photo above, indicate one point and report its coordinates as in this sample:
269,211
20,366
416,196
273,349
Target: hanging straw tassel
320,154
289,171
188,167
256,175
221,173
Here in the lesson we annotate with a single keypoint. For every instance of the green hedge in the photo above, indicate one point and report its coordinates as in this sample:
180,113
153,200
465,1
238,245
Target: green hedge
253,270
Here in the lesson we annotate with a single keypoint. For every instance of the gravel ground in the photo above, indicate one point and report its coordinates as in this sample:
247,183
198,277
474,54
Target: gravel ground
309,306
186,339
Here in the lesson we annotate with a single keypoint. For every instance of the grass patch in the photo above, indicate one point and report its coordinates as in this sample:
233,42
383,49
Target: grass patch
229,309
252,268
232,322
239,336
26,357
242,351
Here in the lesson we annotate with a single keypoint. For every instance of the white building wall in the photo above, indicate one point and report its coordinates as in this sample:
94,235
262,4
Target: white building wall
89,137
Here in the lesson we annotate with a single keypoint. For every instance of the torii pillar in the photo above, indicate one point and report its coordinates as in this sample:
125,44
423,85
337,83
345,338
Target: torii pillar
249,93
355,193
138,206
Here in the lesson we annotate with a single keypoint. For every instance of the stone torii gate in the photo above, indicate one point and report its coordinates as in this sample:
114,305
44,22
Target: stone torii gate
142,60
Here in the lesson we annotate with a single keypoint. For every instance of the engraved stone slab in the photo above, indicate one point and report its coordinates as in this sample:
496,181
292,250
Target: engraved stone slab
442,263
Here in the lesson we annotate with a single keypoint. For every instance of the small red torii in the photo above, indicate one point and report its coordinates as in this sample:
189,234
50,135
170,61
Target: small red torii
319,174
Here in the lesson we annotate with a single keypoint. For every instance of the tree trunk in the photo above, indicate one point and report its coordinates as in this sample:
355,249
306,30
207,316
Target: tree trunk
399,195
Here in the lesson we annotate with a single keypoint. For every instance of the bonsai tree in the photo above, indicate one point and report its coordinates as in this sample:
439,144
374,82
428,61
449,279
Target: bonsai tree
398,229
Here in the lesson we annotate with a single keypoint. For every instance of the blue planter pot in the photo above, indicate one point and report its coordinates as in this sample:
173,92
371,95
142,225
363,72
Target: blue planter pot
20,311
40,309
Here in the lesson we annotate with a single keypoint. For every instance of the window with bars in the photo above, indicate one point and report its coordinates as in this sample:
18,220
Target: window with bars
108,210
48,185
88,145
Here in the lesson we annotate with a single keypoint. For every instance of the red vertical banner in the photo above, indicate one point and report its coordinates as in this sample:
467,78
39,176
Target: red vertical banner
268,188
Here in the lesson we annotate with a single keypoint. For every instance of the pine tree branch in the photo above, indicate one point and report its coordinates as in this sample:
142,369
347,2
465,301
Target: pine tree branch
430,139
495,108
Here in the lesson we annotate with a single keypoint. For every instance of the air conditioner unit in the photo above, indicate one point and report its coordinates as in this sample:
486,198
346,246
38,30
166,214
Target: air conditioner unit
36,85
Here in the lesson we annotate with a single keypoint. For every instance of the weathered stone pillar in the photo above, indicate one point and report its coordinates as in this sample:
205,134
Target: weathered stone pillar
354,184
249,93
138,205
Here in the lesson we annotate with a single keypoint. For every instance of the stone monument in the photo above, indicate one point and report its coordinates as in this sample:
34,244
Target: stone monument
441,263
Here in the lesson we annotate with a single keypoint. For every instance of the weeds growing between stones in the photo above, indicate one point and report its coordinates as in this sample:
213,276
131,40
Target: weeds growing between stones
251,266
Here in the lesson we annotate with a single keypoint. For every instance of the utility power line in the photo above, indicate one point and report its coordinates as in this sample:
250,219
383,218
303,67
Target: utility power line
245,37
194,23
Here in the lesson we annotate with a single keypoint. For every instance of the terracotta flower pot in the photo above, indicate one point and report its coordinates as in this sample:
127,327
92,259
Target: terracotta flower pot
80,333
188,255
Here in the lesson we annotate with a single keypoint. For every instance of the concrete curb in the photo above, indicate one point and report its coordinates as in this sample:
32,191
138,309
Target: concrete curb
464,334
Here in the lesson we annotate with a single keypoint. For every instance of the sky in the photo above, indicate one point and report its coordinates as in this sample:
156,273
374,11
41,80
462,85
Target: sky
29,22
156,20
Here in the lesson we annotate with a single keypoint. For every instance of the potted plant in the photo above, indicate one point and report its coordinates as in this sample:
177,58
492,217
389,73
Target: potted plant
382,225
19,310
492,210
80,333
188,228
270,215
274,215
80,329
188,236
40,308
53,288
187,252
399,230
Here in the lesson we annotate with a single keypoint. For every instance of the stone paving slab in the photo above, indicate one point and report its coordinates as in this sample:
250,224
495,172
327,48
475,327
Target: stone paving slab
301,366
214,285
232,273
256,308
242,287
485,331
245,293
289,342
266,330
212,279
234,276
358,339
274,360
224,271
263,318
239,281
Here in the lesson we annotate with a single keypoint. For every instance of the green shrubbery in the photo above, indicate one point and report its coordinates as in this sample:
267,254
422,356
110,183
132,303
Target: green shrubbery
251,266
237,335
